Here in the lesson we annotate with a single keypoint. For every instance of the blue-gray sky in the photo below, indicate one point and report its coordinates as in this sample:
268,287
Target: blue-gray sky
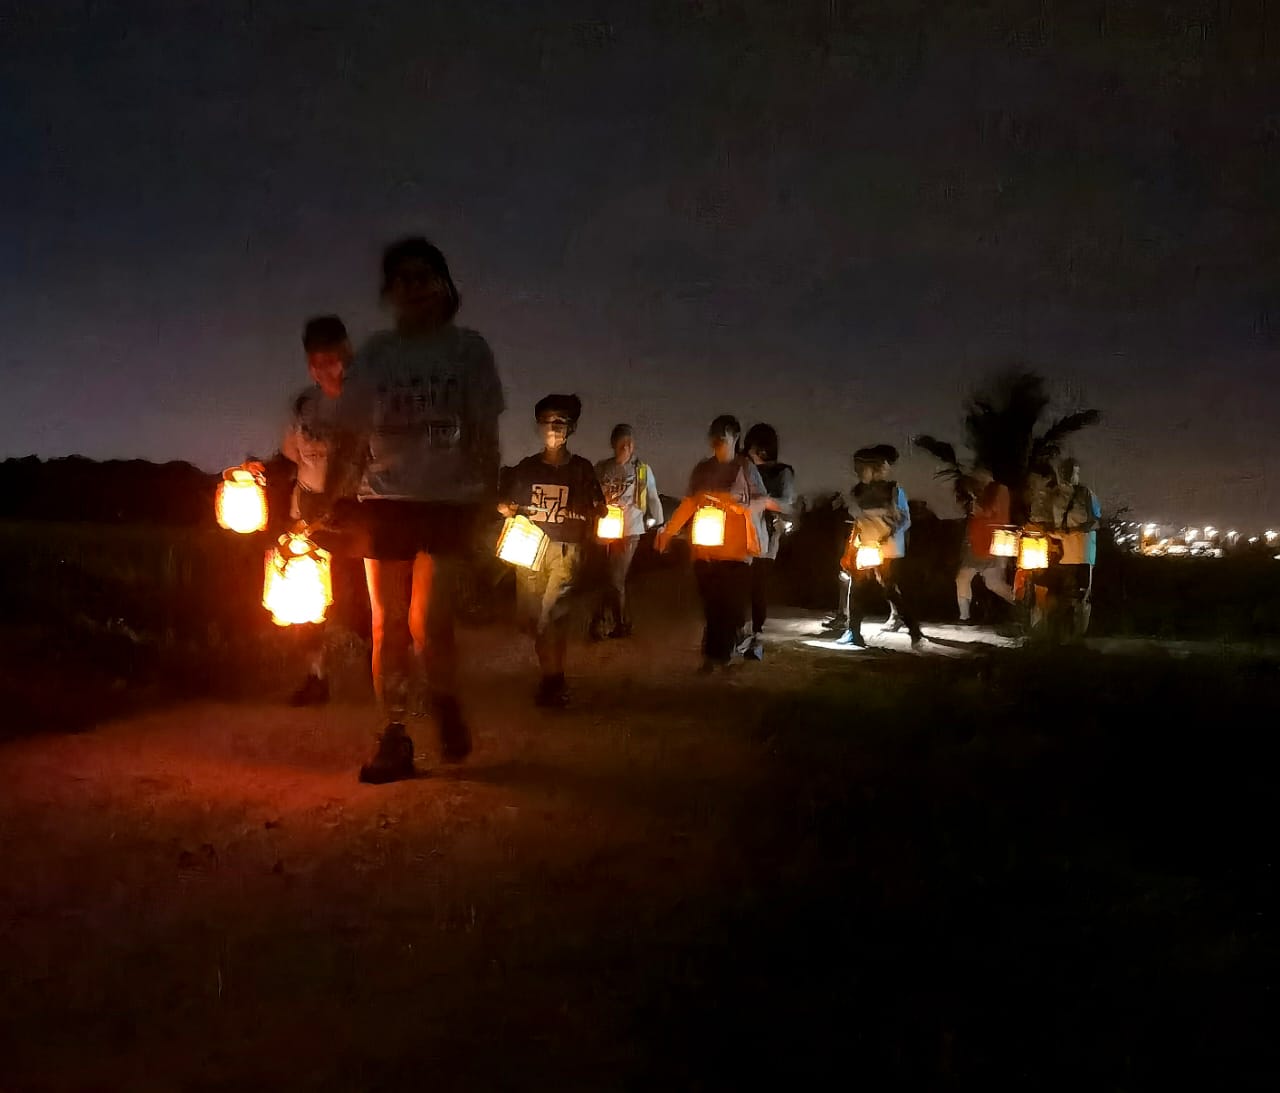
833,216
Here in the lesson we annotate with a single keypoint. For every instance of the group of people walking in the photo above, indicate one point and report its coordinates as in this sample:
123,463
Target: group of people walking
398,457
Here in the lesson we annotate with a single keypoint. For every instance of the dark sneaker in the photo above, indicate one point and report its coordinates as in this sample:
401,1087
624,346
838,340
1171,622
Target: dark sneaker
754,651
851,639
622,630
917,639
552,693
455,737
596,631
313,692
393,761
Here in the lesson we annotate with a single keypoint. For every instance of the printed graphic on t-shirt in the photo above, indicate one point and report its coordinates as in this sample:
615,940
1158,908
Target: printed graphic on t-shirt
429,406
550,504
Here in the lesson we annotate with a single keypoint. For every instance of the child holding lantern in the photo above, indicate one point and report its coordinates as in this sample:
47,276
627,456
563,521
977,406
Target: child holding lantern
629,484
731,484
419,433
559,492
307,443
881,519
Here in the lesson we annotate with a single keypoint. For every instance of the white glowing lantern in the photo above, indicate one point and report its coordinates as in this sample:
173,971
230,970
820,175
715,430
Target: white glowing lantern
241,502
1004,543
298,587
1033,552
609,526
708,526
869,556
522,543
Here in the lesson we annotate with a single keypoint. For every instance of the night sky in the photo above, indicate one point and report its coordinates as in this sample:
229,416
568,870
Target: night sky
834,216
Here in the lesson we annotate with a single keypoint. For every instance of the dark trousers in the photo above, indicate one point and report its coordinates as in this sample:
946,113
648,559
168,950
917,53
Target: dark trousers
724,588
883,580
761,575
613,592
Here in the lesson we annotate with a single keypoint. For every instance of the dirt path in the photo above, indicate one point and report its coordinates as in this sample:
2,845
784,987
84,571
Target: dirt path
204,898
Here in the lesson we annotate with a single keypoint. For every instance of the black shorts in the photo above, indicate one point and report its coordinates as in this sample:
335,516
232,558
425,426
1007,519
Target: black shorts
398,531
342,535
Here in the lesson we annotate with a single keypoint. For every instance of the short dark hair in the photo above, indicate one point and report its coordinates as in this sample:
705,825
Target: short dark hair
877,454
620,431
765,438
415,246
725,425
568,406
323,332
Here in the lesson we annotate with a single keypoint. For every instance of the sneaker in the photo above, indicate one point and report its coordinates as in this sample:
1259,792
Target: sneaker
917,639
393,761
622,630
834,622
893,626
754,651
455,736
552,693
851,639
313,692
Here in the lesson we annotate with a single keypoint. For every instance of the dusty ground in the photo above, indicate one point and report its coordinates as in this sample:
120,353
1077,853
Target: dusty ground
929,868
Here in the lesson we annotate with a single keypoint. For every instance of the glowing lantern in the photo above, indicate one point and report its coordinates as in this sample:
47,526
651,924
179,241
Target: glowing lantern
1004,543
609,527
241,504
522,543
708,526
1033,552
869,556
299,584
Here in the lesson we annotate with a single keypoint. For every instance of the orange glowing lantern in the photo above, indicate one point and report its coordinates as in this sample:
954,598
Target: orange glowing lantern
298,587
1004,543
609,526
1033,552
708,526
522,543
869,555
241,503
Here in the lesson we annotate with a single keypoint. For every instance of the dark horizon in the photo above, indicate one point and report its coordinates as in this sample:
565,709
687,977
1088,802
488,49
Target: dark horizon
837,221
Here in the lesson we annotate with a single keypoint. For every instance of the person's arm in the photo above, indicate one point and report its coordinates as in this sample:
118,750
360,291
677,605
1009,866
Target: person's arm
510,487
786,492
488,401
353,424
682,515
597,507
653,503
1093,512
758,499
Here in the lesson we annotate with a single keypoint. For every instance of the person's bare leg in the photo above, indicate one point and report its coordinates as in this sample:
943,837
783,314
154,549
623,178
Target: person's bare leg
389,602
432,624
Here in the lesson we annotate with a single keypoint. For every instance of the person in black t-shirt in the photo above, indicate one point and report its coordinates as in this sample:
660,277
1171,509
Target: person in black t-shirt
559,492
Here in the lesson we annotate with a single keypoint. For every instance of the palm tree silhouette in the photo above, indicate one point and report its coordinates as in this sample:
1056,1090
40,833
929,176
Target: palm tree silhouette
1000,425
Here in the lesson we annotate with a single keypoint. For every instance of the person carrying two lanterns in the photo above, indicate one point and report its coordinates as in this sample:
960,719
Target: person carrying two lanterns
725,502
877,545
308,442
634,507
559,494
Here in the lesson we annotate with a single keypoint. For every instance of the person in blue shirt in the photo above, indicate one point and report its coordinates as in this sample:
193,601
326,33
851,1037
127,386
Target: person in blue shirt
1077,514
881,517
